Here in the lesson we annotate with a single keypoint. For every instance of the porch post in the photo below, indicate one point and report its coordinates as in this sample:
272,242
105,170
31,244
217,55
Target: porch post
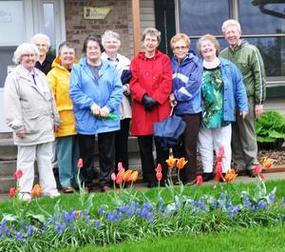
136,25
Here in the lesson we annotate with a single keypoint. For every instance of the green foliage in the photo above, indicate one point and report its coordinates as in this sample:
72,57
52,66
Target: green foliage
270,128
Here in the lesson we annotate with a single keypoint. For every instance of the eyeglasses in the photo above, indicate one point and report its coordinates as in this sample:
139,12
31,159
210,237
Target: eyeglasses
28,55
180,47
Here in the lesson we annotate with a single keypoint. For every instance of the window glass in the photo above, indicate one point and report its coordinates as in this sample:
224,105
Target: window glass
272,50
203,16
49,26
257,17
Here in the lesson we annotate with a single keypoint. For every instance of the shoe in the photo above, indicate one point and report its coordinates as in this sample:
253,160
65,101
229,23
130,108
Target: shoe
207,176
52,194
106,189
242,172
27,197
68,189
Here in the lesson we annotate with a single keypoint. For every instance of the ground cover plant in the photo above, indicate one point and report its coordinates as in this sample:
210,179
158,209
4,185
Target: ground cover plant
130,215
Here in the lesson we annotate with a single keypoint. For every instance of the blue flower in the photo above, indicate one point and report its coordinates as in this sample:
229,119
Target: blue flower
59,228
97,223
30,230
262,204
18,236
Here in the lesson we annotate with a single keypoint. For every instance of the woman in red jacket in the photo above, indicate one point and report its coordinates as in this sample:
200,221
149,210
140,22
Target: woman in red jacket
150,89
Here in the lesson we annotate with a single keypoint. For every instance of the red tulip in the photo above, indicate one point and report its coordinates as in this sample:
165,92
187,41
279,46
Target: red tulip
158,176
18,174
12,192
119,178
113,177
199,180
80,163
158,168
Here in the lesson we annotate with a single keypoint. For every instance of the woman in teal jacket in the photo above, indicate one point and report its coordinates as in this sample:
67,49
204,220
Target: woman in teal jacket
96,93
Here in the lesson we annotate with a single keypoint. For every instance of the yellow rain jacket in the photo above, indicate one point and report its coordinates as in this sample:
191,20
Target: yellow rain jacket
59,78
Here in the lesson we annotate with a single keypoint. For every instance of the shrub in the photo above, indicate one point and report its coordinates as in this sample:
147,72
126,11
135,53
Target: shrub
270,130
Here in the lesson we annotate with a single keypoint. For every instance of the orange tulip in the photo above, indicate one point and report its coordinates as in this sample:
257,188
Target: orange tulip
230,175
127,176
181,163
171,162
134,176
36,191
267,163
119,178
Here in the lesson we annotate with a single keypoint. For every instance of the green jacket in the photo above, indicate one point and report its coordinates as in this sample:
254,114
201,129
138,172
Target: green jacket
248,59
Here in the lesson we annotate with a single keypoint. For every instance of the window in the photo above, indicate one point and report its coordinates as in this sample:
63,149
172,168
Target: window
262,23
49,26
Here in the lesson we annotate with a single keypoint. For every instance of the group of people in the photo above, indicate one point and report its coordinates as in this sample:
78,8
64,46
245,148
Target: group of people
104,94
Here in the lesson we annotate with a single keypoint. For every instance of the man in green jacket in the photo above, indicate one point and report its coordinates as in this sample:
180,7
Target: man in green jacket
248,59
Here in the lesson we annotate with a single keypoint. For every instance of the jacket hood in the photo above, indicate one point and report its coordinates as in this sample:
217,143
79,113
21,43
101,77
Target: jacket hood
190,57
57,64
105,63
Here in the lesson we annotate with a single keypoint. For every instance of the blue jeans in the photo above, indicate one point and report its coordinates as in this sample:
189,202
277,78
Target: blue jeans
67,157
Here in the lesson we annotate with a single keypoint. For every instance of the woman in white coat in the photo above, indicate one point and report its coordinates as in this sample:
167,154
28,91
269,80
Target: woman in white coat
31,114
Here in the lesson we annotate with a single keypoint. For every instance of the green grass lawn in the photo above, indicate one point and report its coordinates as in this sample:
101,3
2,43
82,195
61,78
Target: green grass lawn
269,237
247,240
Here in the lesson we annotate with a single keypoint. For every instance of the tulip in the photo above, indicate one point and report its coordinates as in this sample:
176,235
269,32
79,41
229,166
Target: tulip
171,162
134,176
158,168
267,163
80,163
36,191
230,175
18,174
113,177
120,167
12,192
199,180
119,179
181,163
158,176
127,176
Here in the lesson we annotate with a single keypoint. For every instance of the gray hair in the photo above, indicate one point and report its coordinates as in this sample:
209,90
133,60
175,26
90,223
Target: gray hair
152,32
108,34
231,22
25,48
41,36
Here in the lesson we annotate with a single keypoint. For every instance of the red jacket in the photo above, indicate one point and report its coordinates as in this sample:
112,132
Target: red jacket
154,77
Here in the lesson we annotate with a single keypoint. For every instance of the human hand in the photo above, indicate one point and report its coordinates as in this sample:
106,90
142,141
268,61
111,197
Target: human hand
95,109
243,114
258,110
21,133
172,100
104,112
148,102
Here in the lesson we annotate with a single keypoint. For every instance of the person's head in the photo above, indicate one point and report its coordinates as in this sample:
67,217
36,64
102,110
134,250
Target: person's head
232,31
208,46
92,47
180,45
111,42
27,55
66,52
151,39
42,42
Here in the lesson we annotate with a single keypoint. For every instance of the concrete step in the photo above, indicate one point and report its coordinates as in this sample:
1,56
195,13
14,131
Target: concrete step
6,135
7,168
6,183
8,151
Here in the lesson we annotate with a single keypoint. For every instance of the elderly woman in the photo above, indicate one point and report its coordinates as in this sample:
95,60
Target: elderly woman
45,60
96,92
223,92
32,115
66,145
111,43
150,89
186,97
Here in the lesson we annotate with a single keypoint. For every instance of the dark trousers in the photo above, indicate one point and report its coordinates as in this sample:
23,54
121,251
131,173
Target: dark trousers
106,148
121,144
188,149
147,159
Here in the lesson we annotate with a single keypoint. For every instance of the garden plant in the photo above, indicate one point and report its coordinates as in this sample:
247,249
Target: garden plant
127,215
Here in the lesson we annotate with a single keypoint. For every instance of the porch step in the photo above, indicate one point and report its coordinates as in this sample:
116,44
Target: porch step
6,183
7,168
8,151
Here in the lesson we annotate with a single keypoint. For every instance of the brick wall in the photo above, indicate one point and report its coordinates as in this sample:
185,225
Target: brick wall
77,28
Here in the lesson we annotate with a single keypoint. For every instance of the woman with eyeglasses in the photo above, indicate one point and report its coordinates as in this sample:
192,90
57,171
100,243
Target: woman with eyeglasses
186,97
31,114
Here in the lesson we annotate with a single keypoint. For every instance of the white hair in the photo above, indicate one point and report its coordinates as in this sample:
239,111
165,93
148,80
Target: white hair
25,48
231,22
41,36
108,34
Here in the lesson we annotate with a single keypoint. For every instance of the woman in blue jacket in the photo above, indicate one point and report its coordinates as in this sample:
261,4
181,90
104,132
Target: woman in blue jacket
186,96
223,92
96,92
